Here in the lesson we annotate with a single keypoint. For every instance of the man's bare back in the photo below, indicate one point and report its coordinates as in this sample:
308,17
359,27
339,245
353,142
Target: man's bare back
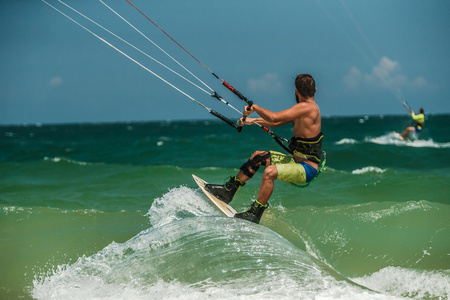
308,124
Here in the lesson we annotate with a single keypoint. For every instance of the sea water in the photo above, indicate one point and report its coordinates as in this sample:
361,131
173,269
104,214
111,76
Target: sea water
110,211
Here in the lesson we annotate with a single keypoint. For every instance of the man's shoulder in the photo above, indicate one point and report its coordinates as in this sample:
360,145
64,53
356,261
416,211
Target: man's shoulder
311,105
306,108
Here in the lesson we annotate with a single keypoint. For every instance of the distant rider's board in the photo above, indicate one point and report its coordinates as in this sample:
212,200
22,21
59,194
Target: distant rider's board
398,136
225,208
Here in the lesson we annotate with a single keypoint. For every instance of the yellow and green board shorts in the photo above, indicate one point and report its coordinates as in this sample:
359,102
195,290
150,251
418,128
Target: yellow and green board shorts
291,171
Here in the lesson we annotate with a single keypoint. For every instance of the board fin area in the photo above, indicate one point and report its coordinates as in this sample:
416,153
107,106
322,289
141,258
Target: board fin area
222,206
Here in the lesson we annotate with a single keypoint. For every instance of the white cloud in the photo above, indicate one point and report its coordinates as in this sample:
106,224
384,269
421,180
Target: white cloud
353,78
55,81
269,82
385,68
420,82
386,75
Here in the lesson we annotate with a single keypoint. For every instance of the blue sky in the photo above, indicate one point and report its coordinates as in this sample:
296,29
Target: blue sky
365,56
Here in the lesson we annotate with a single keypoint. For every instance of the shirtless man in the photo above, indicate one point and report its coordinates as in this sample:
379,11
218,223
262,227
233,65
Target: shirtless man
306,144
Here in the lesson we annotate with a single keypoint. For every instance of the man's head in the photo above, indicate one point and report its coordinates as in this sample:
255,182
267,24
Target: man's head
305,85
421,111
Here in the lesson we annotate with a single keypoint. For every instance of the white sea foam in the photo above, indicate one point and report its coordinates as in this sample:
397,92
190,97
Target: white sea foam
63,159
92,288
12,209
416,284
369,169
346,141
396,210
392,139
178,203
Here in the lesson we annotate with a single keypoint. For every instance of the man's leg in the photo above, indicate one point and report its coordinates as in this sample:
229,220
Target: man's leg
266,189
227,191
250,168
256,210
404,135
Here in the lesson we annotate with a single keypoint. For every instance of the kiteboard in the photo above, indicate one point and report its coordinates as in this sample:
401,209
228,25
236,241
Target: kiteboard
397,135
222,206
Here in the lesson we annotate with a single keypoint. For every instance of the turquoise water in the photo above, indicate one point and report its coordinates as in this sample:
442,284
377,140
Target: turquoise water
110,211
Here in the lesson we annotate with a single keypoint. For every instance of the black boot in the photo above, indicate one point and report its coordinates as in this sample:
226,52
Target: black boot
226,191
253,214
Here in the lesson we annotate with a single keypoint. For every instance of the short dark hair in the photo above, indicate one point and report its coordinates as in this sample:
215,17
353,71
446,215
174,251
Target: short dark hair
421,111
305,85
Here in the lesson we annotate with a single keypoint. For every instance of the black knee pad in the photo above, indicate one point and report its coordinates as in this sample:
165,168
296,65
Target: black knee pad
254,164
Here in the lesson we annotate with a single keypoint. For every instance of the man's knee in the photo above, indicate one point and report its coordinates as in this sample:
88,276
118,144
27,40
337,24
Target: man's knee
270,172
256,160
260,154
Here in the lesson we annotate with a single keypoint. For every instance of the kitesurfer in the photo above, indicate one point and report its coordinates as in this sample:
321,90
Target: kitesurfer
305,145
419,120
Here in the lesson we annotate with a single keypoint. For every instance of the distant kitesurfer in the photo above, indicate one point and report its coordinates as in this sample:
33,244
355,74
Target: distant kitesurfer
306,146
419,120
